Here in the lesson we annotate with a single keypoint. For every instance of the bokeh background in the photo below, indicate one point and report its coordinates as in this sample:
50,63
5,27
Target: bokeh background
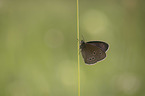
38,47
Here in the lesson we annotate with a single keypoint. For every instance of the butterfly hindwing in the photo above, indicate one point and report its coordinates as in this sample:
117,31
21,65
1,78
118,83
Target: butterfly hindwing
92,53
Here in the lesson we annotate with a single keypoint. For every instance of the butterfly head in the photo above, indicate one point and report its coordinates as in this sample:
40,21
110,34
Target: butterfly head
82,44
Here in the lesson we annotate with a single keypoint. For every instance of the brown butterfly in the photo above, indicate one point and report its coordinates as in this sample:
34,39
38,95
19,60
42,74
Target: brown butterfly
93,51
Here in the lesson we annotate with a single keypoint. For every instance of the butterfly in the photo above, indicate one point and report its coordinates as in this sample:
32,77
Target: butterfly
93,51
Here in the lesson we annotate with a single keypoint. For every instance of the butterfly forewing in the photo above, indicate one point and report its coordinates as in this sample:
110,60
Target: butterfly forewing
102,45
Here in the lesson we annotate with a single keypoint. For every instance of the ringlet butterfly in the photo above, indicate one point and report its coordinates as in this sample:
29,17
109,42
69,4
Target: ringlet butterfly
93,51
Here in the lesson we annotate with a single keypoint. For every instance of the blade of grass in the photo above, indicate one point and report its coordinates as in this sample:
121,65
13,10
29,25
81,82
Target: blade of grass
78,47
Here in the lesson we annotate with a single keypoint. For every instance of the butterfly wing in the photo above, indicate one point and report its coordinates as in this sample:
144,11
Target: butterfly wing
102,45
92,54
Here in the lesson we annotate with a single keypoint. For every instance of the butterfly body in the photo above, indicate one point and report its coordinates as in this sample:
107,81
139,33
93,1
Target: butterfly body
93,51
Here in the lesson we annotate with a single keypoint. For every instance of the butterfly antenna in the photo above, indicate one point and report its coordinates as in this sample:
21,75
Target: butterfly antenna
83,37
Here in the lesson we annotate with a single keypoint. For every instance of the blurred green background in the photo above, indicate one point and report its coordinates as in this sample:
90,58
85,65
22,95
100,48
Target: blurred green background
38,47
